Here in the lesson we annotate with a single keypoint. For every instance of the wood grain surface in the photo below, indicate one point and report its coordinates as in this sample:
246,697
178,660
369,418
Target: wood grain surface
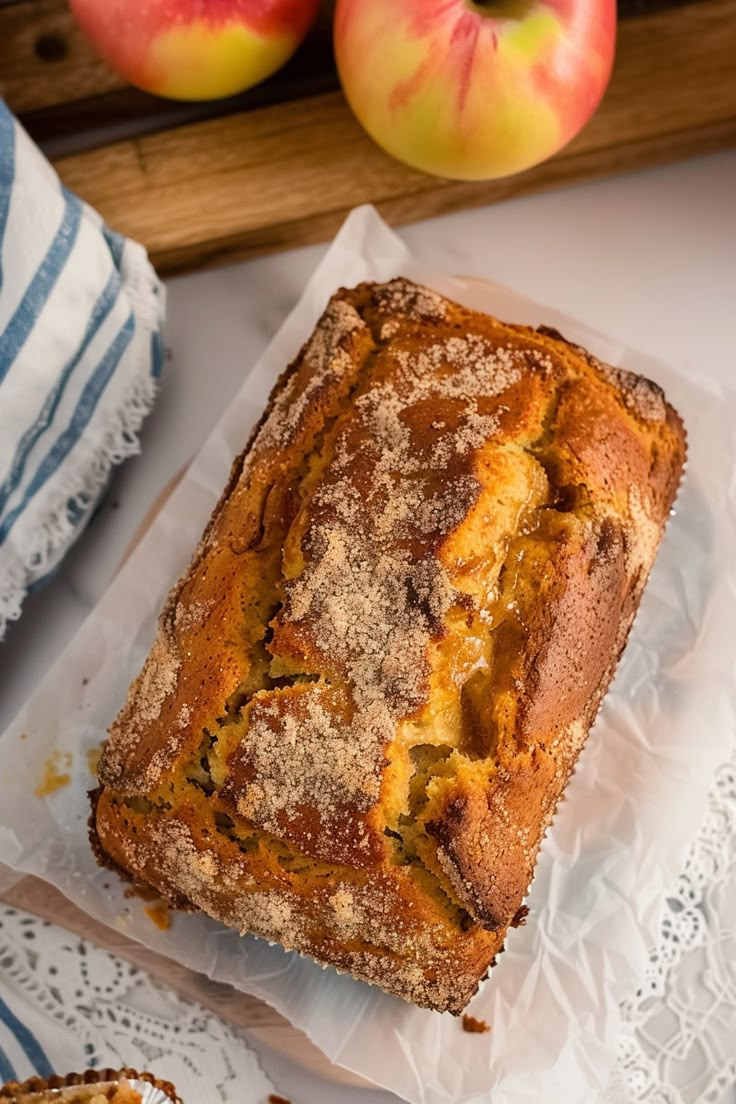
286,174
46,60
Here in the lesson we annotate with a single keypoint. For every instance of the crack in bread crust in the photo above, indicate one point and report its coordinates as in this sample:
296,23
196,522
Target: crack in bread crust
369,690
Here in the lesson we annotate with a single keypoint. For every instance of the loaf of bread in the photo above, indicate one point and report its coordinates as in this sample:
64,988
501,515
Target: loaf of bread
368,691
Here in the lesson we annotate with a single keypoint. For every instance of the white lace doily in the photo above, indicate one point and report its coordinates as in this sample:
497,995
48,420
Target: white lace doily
67,1005
678,1041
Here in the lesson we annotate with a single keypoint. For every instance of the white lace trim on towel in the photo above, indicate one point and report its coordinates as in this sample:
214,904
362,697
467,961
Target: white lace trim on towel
62,508
678,1040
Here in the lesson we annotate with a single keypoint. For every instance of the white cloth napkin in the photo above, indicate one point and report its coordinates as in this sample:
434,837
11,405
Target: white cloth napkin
81,346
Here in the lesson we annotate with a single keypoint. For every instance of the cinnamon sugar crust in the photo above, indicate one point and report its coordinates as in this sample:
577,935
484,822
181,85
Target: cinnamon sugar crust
369,690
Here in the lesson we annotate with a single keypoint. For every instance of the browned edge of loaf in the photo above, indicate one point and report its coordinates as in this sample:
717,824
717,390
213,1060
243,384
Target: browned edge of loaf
610,452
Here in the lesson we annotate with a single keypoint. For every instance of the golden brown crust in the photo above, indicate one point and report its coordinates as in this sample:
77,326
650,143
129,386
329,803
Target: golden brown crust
369,690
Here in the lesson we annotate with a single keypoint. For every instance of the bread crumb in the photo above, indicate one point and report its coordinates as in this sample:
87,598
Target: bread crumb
55,773
474,1026
160,914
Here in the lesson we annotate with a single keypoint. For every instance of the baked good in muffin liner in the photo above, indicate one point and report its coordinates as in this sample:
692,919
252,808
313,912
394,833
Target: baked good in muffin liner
125,1086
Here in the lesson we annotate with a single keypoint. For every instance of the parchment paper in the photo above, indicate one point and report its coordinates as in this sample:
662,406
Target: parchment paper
618,838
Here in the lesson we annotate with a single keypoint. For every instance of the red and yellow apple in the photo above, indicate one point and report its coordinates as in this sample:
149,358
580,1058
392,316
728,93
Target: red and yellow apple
195,49
474,90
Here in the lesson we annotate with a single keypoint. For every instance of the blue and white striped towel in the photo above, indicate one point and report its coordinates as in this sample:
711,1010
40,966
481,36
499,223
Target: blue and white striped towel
81,343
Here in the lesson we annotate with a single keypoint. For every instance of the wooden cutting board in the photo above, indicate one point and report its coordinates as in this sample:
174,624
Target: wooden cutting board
282,166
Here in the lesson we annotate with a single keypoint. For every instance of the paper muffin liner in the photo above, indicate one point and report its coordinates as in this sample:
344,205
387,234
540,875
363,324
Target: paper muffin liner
73,1086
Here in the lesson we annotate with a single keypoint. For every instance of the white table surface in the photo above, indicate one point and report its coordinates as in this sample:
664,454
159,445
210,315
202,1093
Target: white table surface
649,257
